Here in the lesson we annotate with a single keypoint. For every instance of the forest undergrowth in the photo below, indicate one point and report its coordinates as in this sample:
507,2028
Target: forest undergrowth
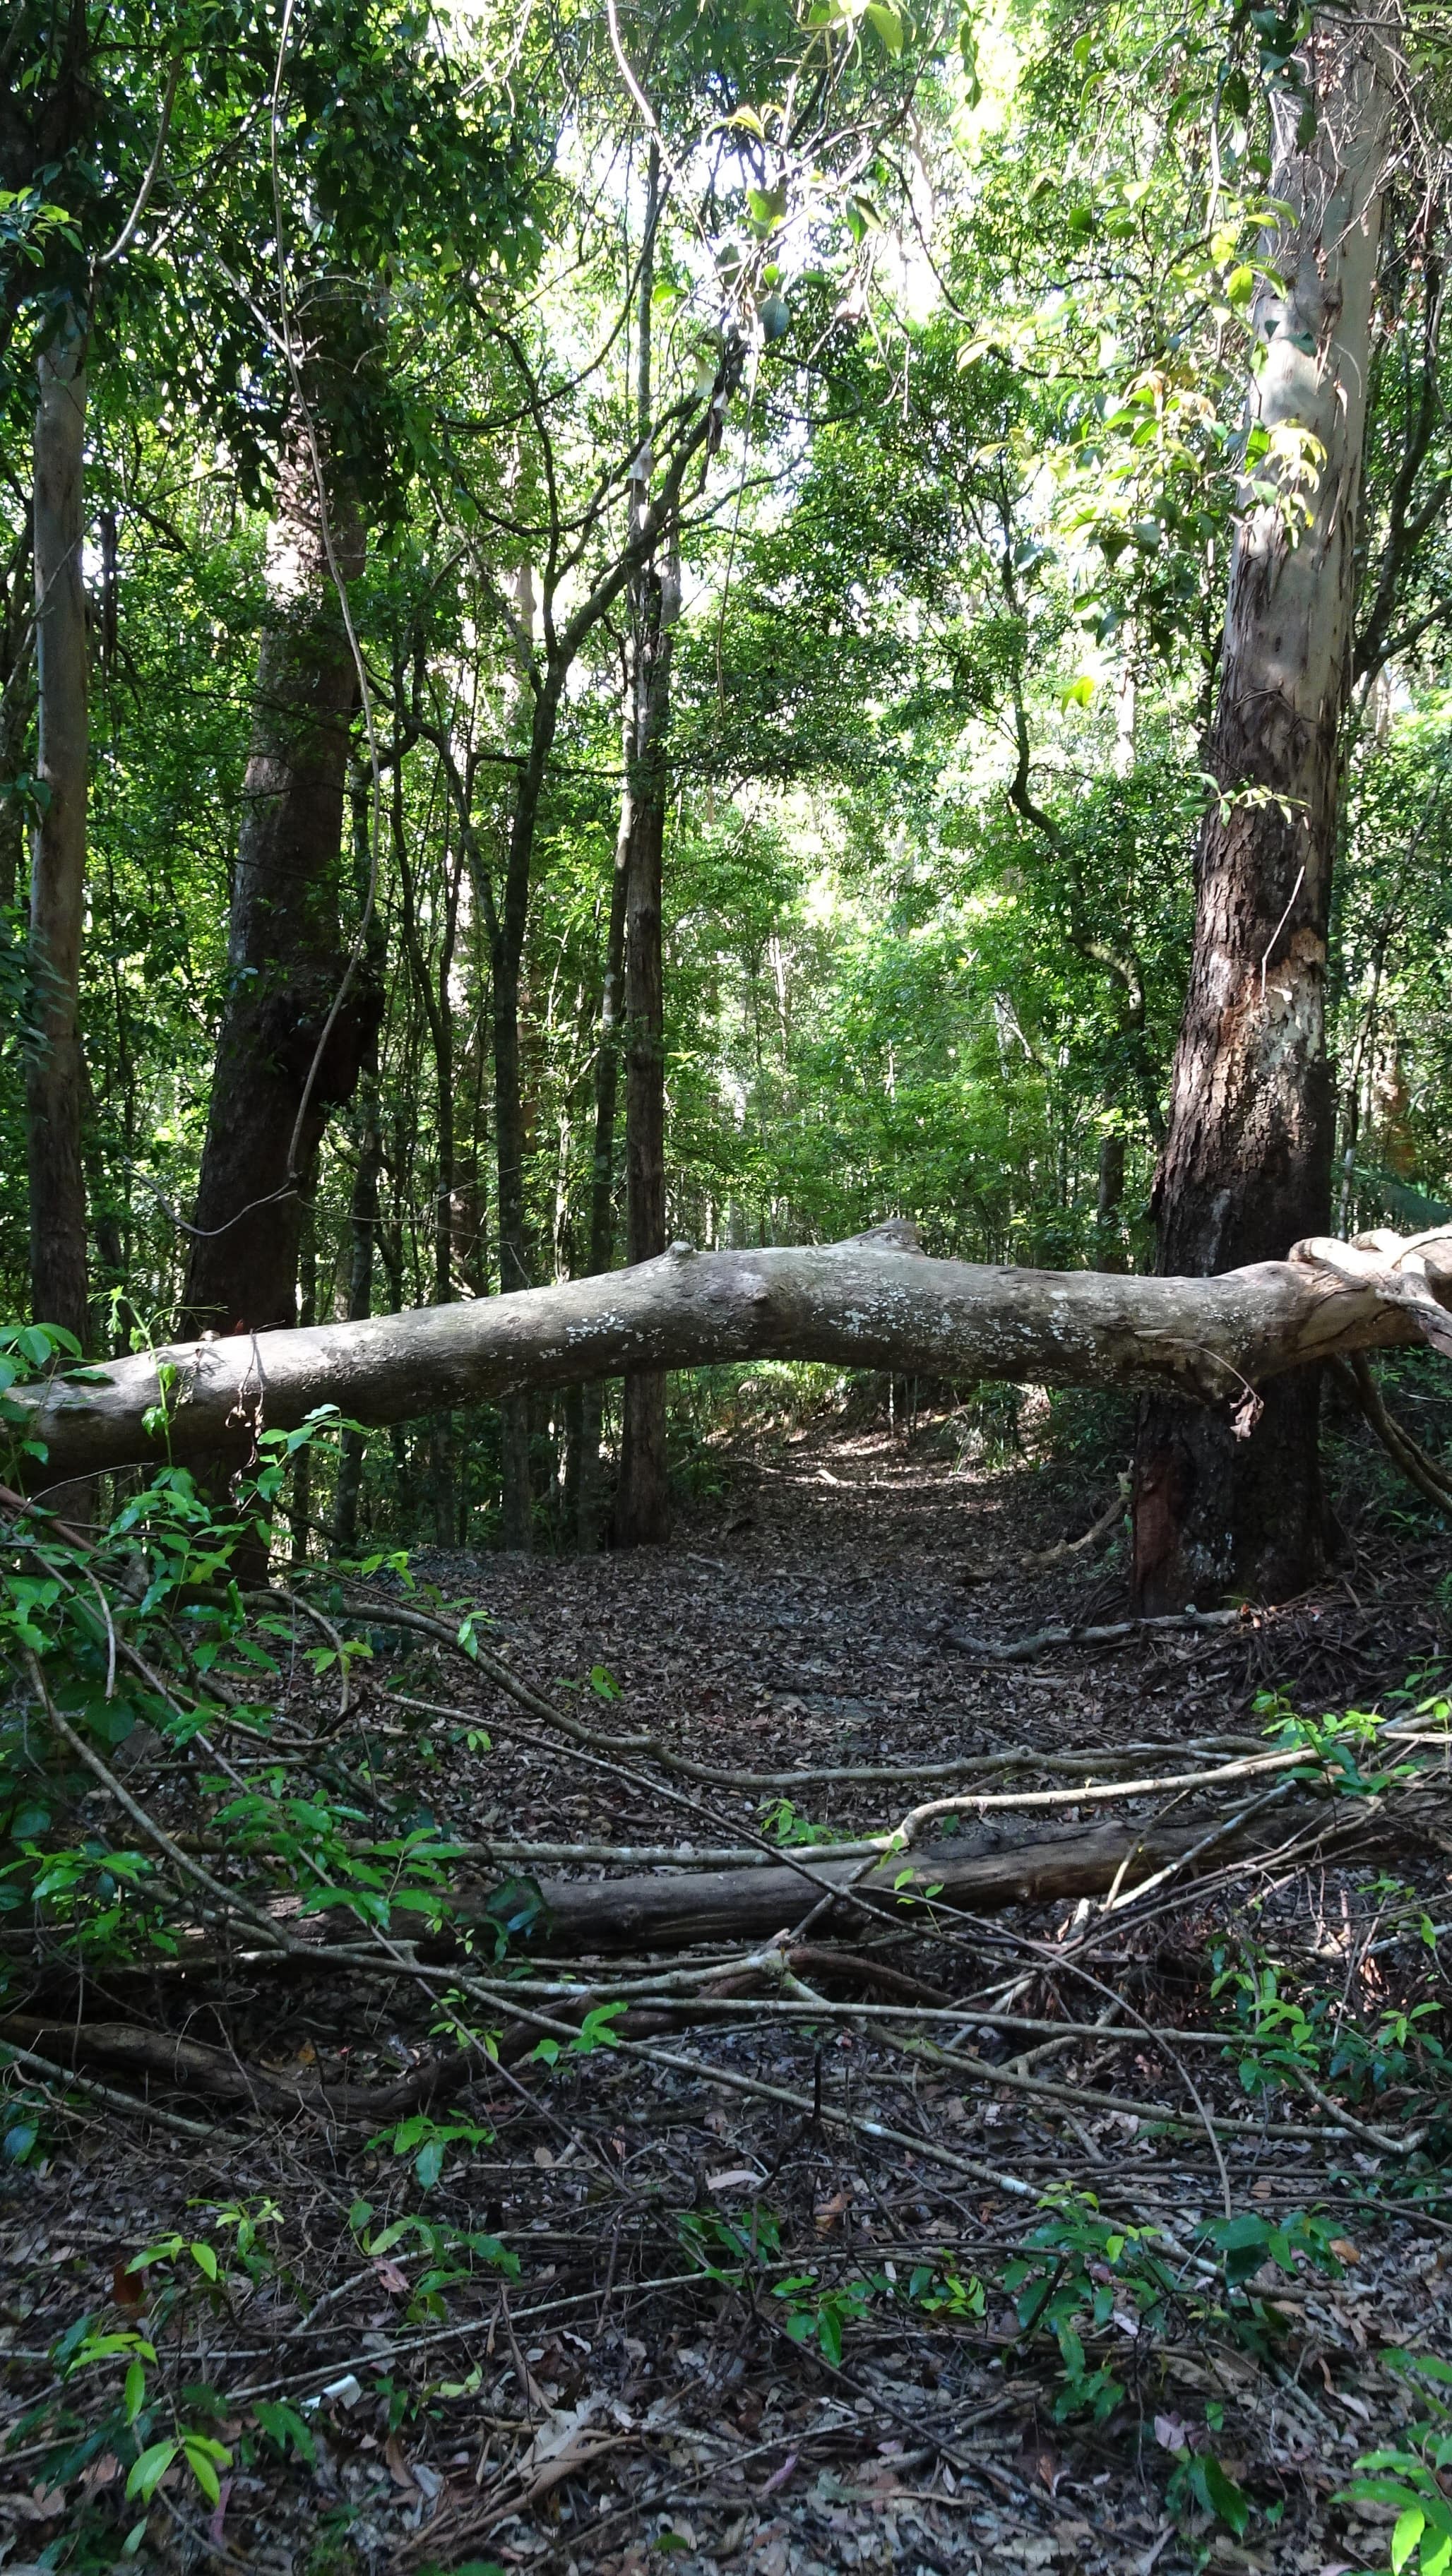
892,2168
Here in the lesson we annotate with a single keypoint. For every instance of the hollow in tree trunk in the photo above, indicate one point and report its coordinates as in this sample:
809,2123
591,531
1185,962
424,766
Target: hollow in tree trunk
1225,1501
54,1074
277,1074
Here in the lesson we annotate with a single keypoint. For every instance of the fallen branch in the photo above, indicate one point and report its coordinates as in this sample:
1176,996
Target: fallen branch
1064,1548
1022,1650
873,1302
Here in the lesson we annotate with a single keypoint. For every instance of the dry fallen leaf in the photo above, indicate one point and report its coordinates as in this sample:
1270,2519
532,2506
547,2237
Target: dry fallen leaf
398,2468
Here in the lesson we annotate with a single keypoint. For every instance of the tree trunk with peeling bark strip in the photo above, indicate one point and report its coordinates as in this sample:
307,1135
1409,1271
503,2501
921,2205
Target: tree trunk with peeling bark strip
1246,1169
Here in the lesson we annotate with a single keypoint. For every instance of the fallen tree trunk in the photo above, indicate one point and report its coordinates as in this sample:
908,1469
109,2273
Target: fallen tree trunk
583,1915
875,1301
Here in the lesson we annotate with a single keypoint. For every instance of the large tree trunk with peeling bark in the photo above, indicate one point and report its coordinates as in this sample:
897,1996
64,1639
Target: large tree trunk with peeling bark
288,1052
1232,1501
875,1302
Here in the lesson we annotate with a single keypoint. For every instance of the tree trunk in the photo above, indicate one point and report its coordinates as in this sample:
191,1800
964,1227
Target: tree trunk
1246,1167
272,1088
433,991
1109,1246
516,1266
301,1513
642,1504
642,1501
363,1233
54,1078
602,1168
15,703
875,1302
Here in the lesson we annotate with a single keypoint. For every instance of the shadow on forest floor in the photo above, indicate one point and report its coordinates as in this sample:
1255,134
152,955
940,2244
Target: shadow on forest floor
832,2255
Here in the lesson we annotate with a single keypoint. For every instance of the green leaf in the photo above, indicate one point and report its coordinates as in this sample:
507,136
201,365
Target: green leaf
1225,2498
149,2470
1409,2529
768,209
204,2458
887,24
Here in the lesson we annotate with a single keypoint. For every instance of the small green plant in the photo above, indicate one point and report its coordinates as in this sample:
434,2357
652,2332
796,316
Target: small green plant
1412,2477
1079,2274
597,2030
428,2142
787,1826
448,2254
743,2253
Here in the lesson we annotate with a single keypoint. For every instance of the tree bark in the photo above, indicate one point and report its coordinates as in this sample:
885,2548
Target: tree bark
874,1302
1246,1167
272,1090
54,1075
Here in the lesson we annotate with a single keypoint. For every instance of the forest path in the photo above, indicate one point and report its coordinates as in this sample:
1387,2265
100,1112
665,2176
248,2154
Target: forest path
741,2283
805,1610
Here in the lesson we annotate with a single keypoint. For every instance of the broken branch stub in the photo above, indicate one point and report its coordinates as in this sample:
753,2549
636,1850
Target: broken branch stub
874,1301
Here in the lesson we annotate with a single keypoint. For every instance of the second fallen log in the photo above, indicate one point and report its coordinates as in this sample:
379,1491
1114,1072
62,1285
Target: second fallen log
675,1912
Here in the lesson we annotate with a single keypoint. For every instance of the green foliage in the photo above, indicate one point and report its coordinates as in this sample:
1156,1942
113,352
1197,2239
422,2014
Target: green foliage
1095,2286
781,1820
1412,2477
745,2255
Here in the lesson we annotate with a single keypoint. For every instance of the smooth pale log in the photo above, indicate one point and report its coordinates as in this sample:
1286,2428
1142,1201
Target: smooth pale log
874,1301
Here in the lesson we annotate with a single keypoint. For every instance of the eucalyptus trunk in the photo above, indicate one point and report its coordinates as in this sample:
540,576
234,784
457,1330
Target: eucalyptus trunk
1232,1500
